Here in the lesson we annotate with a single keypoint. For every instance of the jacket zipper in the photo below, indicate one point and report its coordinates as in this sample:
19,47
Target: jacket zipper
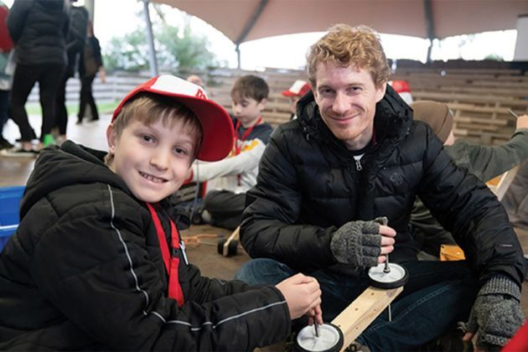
359,167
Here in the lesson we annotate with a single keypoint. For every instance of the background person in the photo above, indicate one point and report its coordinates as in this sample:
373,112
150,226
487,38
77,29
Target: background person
294,93
91,63
75,45
485,162
233,176
38,29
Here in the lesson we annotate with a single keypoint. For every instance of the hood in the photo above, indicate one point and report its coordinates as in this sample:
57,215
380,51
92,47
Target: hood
392,120
56,168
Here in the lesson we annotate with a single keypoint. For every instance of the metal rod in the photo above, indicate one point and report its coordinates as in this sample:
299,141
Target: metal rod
513,113
316,327
386,269
390,313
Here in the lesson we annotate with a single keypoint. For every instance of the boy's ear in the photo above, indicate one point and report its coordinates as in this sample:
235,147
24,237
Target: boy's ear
262,104
111,138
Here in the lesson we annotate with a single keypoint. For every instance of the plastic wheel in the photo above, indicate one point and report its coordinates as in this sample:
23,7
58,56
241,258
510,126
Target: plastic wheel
381,278
330,339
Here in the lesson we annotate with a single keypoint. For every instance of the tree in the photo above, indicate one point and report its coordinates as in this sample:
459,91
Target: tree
177,49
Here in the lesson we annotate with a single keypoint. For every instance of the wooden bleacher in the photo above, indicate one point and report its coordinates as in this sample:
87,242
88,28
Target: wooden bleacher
480,98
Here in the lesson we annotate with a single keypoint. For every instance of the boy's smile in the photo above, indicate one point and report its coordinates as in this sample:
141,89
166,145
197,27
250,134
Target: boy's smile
152,160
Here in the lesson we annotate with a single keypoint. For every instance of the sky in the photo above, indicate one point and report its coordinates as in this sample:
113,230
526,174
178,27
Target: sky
118,17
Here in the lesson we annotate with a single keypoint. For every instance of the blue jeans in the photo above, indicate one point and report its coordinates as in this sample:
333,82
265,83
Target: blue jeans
437,295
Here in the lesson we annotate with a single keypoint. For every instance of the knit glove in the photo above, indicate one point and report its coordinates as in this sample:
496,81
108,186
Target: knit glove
358,243
496,314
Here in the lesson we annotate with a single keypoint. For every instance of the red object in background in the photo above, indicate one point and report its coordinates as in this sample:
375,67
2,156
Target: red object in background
519,341
401,86
6,44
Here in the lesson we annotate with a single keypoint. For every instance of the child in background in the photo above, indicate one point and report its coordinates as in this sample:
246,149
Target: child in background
294,93
233,176
97,262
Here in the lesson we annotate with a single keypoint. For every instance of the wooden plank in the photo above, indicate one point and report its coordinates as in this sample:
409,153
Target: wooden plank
360,313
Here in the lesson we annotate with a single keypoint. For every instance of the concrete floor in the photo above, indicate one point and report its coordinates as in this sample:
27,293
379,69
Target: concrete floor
15,171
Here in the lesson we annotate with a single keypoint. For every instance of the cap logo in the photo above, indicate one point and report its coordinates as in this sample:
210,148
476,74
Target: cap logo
200,94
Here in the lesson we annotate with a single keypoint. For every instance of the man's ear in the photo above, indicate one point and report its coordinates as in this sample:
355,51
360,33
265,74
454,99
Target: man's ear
262,104
111,138
380,92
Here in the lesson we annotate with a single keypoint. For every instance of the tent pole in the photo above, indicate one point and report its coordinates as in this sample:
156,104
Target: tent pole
239,63
150,38
429,22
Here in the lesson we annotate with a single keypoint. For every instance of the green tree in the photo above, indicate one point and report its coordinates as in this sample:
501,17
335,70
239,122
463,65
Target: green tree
176,50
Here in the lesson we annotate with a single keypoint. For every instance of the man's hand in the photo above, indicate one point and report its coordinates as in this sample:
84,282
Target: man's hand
522,122
496,315
303,295
362,244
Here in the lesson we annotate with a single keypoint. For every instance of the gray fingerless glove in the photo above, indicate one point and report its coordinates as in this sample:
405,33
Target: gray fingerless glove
357,243
496,314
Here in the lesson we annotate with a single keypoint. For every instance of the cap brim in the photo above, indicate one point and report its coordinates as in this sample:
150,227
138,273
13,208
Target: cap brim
217,126
288,93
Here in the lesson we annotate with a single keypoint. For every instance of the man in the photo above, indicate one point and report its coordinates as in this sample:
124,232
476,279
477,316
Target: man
355,155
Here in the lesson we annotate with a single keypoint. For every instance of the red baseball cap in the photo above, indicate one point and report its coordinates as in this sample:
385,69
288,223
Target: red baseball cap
217,126
298,88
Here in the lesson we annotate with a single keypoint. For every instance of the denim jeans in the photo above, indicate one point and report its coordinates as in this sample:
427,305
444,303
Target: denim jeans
437,295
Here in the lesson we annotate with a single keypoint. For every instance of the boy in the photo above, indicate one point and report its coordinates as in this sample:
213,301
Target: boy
89,267
234,176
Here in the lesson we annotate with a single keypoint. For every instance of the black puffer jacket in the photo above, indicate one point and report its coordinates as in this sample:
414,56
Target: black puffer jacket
39,29
309,185
84,272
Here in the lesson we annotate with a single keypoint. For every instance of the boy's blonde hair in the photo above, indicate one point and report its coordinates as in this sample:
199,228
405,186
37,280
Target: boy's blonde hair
346,46
250,86
150,108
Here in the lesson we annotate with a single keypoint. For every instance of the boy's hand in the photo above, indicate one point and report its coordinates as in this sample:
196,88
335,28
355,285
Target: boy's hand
303,295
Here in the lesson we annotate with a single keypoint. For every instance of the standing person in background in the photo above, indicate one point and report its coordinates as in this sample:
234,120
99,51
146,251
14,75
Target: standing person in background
38,29
6,52
91,63
75,48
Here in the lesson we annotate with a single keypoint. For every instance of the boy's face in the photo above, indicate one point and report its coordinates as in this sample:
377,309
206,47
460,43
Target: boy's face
347,99
152,160
248,110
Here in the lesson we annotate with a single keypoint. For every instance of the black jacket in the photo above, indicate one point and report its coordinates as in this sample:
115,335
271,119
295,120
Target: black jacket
309,185
84,272
39,29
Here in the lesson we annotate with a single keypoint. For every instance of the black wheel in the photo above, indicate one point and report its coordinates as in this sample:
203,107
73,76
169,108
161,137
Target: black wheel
232,248
220,246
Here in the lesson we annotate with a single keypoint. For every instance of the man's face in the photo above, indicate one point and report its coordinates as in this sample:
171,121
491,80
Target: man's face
152,160
347,99
248,110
